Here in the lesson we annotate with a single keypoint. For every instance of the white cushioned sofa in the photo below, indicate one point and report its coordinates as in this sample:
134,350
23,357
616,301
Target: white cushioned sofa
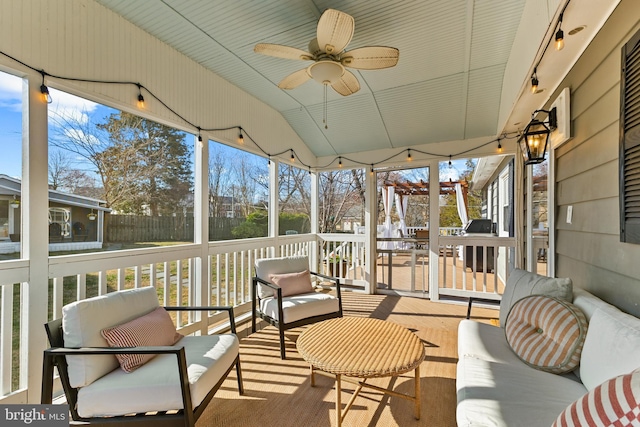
174,376
495,387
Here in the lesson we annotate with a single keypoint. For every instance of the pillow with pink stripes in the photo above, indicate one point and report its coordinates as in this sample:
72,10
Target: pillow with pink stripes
615,402
152,329
546,333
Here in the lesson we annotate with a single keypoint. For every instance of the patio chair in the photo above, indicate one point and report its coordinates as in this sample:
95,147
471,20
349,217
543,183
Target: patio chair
55,232
104,350
283,296
80,233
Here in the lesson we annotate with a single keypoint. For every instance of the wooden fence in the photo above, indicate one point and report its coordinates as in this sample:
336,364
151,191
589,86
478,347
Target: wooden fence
132,228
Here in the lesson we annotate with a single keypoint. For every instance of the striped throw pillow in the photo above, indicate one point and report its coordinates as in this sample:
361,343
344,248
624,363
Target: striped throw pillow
546,333
154,328
615,402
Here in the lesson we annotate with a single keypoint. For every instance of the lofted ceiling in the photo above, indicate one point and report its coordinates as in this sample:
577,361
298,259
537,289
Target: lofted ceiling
446,87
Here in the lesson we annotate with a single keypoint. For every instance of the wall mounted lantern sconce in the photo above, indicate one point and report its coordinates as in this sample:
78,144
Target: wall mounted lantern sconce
535,137
15,203
92,215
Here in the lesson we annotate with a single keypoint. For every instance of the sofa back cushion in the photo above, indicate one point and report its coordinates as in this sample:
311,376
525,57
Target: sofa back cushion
546,333
612,346
83,321
522,283
268,266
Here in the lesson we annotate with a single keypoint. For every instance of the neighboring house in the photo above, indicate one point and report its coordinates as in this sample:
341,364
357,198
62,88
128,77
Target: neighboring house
493,177
75,222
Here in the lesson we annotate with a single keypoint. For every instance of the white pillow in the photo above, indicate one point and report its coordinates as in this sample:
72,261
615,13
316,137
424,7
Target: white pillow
83,321
612,346
522,283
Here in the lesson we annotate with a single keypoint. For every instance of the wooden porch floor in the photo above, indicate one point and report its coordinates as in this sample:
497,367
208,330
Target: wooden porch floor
279,390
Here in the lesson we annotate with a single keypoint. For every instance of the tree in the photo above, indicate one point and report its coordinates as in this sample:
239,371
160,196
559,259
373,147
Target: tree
158,156
341,194
59,165
141,164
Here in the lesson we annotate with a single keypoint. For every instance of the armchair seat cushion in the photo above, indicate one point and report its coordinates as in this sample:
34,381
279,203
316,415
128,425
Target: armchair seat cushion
155,385
297,307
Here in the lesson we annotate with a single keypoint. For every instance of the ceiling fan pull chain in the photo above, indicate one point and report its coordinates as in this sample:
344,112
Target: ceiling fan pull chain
324,119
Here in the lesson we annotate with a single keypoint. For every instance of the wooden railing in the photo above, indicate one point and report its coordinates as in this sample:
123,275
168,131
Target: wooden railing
474,266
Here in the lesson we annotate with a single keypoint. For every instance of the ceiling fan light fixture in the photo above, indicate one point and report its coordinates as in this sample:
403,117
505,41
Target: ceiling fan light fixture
326,72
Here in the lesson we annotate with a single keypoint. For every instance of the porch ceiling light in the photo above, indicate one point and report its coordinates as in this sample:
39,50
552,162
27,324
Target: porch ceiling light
535,137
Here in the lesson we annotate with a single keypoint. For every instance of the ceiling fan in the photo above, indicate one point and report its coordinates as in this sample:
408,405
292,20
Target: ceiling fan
334,32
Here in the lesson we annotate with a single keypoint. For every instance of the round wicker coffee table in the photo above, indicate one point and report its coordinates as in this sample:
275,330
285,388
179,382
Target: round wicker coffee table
358,347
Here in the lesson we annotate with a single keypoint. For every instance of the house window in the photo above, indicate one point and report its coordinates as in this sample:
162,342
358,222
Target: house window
61,216
630,142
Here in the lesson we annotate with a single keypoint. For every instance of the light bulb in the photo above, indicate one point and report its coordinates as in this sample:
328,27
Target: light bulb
559,39
46,97
534,84
240,137
339,162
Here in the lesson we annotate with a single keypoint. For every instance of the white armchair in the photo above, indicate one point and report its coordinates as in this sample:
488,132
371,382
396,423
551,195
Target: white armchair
282,295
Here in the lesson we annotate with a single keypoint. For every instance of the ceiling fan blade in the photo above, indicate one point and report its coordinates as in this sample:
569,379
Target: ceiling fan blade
294,80
280,51
371,57
335,30
347,85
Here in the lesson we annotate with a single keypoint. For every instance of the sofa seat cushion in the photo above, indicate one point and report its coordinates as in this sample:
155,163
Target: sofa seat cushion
155,385
546,333
297,307
82,322
510,394
484,341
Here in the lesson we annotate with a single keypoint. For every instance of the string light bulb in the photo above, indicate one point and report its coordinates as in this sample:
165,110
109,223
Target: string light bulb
340,162
44,91
534,81
371,169
199,136
293,158
240,137
560,34
450,164
140,97
499,147
409,158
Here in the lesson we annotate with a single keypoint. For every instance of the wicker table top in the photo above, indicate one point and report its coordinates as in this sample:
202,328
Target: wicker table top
361,347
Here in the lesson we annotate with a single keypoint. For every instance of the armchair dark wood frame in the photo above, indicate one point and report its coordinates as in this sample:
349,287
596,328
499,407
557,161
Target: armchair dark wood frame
55,357
255,300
